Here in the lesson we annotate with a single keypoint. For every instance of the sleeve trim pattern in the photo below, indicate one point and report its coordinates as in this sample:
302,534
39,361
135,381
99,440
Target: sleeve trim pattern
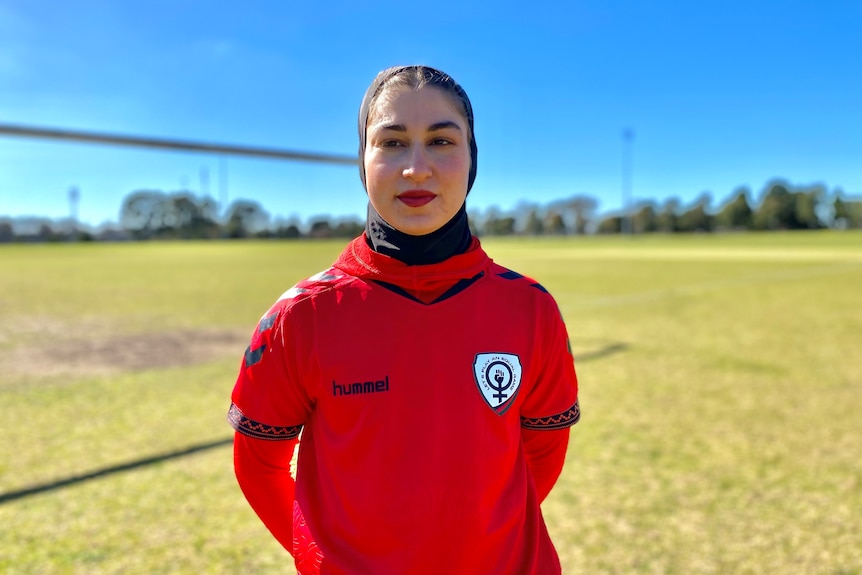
252,428
559,421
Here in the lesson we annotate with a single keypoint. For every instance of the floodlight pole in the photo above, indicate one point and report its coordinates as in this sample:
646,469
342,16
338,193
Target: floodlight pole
626,223
222,186
204,176
74,197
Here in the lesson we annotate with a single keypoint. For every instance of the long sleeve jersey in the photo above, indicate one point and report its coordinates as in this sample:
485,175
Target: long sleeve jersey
433,404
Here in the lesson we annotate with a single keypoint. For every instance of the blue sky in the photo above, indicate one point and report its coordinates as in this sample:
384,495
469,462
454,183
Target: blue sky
719,95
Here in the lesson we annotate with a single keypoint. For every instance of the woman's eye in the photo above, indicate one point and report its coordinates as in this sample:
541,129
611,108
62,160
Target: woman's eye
390,143
440,142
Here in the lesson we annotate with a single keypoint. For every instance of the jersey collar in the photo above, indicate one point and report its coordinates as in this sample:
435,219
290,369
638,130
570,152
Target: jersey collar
359,260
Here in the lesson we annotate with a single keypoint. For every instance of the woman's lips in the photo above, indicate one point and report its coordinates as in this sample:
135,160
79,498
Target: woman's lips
416,198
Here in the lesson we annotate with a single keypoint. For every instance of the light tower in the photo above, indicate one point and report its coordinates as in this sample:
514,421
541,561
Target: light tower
74,198
204,181
222,185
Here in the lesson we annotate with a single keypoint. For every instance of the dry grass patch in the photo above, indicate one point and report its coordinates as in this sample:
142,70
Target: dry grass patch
47,348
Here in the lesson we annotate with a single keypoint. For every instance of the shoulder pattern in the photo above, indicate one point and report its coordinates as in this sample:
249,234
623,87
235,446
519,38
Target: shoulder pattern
302,290
316,283
508,274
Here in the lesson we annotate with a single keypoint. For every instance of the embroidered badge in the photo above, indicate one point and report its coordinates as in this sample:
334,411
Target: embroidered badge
498,376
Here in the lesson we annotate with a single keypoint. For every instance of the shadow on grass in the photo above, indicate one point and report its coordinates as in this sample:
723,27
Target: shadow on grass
45,487
602,352
36,489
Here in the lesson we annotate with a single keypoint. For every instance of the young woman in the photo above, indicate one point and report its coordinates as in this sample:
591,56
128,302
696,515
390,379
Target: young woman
434,389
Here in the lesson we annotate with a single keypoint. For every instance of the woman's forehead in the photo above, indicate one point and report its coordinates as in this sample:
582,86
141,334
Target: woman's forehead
404,105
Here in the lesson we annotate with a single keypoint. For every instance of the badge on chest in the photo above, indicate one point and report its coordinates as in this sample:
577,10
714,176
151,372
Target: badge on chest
498,376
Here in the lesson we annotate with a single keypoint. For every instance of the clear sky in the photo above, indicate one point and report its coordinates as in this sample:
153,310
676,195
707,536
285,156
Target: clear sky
720,94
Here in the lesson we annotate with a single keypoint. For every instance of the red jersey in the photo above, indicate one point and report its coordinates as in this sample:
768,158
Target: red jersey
413,387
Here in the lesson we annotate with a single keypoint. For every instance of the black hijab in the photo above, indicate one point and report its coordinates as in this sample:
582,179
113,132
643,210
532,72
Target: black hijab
454,236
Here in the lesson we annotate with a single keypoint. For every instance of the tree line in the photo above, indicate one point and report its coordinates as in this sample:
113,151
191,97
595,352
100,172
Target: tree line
781,206
153,214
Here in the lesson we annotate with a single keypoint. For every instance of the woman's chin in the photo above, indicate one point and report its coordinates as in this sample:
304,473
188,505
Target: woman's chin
416,224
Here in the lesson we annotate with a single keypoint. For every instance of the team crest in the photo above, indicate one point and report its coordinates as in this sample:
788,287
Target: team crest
498,376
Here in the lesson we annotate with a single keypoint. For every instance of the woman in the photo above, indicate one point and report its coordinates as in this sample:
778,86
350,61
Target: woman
434,388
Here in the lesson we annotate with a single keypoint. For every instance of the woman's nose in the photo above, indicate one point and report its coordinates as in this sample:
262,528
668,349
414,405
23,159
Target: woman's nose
418,167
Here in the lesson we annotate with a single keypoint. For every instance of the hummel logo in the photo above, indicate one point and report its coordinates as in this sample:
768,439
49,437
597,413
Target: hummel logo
360,387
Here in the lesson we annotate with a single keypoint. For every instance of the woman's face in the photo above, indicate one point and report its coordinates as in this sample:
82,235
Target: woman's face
417,158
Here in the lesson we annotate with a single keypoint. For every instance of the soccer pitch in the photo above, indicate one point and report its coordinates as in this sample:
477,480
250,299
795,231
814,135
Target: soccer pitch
721,392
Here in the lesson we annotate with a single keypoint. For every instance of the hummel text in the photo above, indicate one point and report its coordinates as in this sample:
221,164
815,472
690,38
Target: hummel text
360,387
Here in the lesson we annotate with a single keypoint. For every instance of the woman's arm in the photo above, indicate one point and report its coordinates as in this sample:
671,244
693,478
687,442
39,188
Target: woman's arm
263,471
545,451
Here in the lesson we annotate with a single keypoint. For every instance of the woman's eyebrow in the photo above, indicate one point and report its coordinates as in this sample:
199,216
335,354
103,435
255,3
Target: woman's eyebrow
448,124
443,126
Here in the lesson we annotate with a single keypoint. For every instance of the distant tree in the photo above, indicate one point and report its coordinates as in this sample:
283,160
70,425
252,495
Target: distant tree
644,219
286,228
500,226
320,229
244,219
287,231
583,209
189,217
806,207
610,225
841,212
112,234
696,218
554,223
848,213
7,234
666,219
473,219
488,221
179,210
777,209
856,214
736,212
534,225
348,229
154,214
143,213
46,233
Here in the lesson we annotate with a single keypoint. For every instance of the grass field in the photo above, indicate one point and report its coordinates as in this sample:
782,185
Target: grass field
721,389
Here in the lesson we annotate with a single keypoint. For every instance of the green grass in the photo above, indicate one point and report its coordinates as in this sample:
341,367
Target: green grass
148,285
721,387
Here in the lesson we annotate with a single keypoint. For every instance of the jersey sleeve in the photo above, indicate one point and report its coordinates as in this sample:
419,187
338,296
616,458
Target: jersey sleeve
269,400
263,472
553,401
545,452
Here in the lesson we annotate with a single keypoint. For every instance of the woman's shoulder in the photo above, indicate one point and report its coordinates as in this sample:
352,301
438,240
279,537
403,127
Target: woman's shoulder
305,292
516,280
